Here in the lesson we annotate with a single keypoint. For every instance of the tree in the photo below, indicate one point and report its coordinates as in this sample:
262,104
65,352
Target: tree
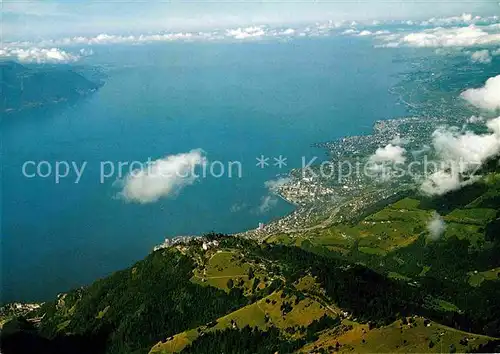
250,273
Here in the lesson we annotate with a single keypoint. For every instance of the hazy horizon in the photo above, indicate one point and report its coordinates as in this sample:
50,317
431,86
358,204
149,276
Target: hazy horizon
37,19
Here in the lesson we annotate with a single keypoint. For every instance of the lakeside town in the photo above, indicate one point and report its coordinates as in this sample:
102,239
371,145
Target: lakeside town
343,192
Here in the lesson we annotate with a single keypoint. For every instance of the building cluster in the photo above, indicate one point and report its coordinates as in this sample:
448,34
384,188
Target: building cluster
170,242
17,309
209,244
184,240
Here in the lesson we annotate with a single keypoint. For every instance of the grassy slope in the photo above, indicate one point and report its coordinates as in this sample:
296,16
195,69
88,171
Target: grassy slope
396,338
392,240
395,239
222,265
254,315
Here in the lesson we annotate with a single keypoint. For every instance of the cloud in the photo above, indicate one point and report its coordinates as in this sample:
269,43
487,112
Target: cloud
240,33
38,55
275,184
464,19
382,162
475,120
269,201
237,207
481,56
436,227
443,181
446,37
243,33
459,154
468,148
350,31
486,97
365,33
162,178
389,153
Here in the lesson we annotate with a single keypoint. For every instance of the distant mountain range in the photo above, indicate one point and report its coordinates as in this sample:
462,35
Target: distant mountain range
28,86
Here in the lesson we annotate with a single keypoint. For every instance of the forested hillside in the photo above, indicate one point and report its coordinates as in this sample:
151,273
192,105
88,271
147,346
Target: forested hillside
378,283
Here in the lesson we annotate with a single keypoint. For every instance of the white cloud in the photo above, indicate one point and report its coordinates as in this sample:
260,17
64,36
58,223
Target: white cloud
365,33
382,162
162,178
275,184
389,153
267,202
446,37
237,207
244,33
436,227
241,33
475,120
350,31
38,55
442,182
469,149
464,19
459,155
104,38
486,97
481,56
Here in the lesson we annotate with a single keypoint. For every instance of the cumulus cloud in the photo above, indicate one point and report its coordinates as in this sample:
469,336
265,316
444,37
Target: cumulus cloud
486,97
383,161
467,148
446,37
365,33
350,31
162,178
389,153
443,181
38,55
481,56
460,154
243,33
436,227
464,19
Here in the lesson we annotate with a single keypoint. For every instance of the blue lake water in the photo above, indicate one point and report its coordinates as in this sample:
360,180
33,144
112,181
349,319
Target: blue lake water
235,101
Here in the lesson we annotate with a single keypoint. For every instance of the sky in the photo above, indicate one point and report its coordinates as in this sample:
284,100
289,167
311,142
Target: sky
48,19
